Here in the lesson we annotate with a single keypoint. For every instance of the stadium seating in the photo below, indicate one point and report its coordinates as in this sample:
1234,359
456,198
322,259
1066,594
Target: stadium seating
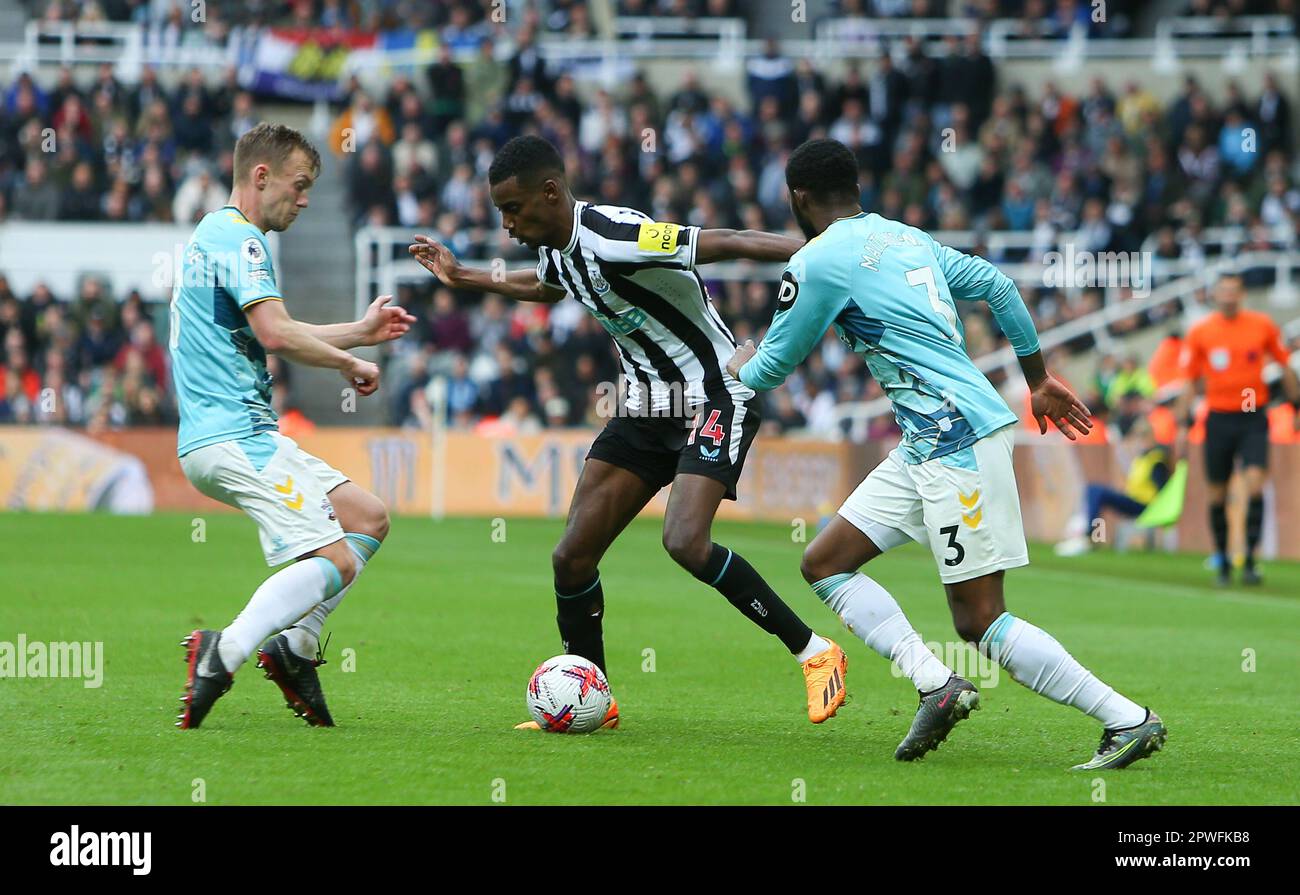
946,142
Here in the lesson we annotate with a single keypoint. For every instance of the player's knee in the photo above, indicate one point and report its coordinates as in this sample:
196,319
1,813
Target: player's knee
971,622
819,561
968,630
814,566
379,521
571,566
347,566
1256,478
341,556
687,550
370,518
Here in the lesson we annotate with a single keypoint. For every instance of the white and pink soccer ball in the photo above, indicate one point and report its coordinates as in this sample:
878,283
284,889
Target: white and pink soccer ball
568,694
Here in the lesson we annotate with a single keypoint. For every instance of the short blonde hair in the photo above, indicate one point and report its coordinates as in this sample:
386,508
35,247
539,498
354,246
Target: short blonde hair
271,144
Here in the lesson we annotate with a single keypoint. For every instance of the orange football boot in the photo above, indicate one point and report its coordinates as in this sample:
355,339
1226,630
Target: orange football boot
824,675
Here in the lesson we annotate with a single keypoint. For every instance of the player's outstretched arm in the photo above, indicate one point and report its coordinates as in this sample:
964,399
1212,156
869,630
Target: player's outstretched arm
382,323
971,278
280,334
753,245
521,285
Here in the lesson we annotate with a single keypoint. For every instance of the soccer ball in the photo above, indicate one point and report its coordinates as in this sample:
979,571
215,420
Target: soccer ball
568,694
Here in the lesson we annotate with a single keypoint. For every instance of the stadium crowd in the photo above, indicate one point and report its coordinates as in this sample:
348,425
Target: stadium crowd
107,153
942,144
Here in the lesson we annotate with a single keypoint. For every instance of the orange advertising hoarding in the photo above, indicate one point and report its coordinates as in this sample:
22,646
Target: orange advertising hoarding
534,475
464,474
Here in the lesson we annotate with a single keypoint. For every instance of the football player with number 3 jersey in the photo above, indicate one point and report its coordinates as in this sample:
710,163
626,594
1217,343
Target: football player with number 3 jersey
686,422
890,291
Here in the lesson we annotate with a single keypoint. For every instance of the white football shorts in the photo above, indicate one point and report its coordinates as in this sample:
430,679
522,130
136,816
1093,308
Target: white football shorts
964,506
282,487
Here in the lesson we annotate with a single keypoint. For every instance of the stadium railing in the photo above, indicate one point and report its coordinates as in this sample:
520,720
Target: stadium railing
130,45
643,29
122,43
1258,28
857,416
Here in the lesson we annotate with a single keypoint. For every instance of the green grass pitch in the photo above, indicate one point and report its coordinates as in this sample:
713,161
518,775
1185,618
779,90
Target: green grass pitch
448,622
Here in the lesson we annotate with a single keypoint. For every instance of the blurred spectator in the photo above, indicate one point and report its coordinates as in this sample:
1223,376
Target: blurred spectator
80,201
196,197
36,198
361,124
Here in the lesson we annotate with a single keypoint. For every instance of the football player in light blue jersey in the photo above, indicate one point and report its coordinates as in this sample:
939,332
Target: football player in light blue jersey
890,291
226,314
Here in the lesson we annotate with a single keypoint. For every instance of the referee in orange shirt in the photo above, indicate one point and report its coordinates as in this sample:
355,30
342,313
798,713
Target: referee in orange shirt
1229,349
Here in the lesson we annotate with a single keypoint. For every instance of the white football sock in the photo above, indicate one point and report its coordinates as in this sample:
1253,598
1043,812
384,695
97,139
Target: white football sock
1036,660
304,634
815,645
869,612
283,597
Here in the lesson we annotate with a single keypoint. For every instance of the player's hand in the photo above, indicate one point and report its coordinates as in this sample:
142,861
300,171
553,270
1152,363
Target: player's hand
740,358
437,259
384,322
363,376
1051,400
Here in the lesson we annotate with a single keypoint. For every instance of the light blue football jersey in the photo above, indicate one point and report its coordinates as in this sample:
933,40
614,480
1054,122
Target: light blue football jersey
888,290
222,388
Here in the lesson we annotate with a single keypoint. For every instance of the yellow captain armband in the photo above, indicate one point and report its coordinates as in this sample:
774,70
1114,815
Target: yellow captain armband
658,237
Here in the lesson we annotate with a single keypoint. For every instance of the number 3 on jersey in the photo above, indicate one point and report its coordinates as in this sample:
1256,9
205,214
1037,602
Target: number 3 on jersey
924,276
711,429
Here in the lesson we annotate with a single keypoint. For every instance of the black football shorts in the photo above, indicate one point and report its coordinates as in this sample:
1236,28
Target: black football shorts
712,443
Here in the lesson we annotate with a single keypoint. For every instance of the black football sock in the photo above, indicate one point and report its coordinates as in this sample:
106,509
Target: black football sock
579,617
1219,526
1254,526
736,580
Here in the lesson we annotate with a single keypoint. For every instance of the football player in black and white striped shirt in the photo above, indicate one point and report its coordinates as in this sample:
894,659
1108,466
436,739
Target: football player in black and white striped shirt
685,422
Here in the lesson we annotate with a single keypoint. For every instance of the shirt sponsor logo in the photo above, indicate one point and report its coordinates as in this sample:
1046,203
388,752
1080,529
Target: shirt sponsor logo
789,292
624,324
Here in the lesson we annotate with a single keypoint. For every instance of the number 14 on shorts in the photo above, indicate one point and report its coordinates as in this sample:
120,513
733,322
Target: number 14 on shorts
711,429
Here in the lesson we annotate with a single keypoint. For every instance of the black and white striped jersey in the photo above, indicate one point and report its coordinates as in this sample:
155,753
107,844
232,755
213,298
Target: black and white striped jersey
637,276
